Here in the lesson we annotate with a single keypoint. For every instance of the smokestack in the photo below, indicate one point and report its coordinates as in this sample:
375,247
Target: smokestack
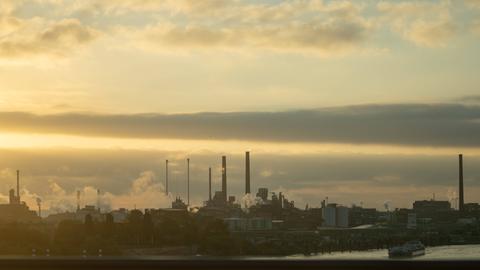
188,181
39,203
18,186
78,200
166,177
247,172
224,178
209,183
98,200
460,181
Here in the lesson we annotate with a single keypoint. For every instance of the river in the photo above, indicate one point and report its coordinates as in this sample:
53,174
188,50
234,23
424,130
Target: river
460,252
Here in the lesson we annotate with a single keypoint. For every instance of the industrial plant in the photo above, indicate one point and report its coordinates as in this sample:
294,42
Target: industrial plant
266,223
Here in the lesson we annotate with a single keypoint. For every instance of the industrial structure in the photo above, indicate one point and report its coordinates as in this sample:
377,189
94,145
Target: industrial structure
247,172
224,178
269,217
166,177
460,183
16,210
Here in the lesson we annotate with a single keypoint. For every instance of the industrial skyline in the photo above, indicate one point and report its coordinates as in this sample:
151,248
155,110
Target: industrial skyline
222,196
55,192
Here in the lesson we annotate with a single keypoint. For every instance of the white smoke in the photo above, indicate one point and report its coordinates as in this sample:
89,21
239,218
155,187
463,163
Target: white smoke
387,205
452,196
143,193
249,200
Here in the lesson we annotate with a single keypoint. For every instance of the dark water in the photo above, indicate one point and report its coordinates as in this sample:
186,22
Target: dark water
459,252
432,253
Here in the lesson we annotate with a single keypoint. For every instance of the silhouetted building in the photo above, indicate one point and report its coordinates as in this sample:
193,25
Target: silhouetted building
334,215
431,206
436,211
119,215
91,210
362,216
217,200
472,207
263,193
400,216
248,224
231,200
16,210
178,204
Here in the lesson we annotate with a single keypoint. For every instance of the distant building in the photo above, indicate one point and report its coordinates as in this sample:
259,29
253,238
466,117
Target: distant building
263,193
89,210
179,204
17,213
16,210
78,215
342,217
400,216
329,216
411,221
236,224
436,211
59,217
120,215
362,216
217,200
472,207
248,224
431,206
334,215
160,215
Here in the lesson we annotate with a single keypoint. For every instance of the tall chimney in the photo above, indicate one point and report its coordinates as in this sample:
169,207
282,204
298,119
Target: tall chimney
460,181
224,178
166,177
188,181
39,204
78,200
98,200
18,186
247,172
209,183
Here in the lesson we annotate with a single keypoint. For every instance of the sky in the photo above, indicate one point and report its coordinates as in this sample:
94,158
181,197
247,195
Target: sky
365,102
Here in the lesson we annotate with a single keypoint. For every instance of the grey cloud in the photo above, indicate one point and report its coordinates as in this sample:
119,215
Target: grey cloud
428,24
470,99
58,39
450,125
326,38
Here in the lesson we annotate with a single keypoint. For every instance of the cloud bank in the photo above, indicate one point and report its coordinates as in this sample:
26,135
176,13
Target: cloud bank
55,39
326,28
448,125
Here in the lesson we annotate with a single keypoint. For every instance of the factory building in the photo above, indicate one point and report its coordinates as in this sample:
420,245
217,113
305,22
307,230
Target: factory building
16,210
334,215
362,216
263,193
431,206
248,224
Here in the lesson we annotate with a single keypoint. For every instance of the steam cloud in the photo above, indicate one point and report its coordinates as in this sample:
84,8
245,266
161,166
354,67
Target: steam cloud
144,193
